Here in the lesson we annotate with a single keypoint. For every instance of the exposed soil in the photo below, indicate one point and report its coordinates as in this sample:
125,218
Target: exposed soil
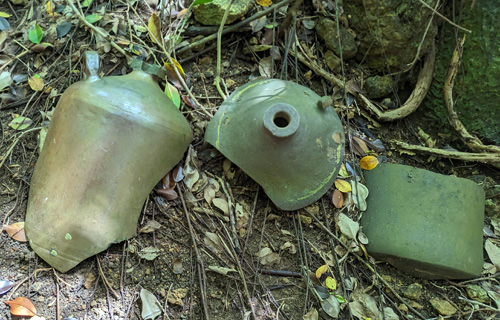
107,286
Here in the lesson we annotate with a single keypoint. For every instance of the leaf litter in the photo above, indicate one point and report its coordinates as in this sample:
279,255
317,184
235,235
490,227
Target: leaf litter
172,210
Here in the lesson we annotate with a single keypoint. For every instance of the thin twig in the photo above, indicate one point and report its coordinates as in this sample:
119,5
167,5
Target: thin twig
484,157
219,51
14,143
201,266
369,267
97,30
105,280
417,54
234,27
444,18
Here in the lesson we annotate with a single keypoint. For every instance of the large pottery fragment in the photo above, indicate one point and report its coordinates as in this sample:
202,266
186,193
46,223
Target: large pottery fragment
427,224
109,142
284,136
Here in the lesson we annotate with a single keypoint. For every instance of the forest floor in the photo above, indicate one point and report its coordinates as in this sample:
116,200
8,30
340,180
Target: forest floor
187,253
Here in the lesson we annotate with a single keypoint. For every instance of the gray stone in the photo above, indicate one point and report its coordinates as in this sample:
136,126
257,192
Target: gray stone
327,30
414,291
211,13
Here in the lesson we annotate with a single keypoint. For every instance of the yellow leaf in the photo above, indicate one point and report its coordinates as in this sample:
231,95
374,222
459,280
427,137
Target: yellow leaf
177,65
343,185
154,28
36,83
368,162
343,171
321,270
331,283
50,7
4,14
265,3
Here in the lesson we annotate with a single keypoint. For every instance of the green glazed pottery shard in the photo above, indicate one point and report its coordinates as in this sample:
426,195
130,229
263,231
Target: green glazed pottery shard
283,137
424,223
109,142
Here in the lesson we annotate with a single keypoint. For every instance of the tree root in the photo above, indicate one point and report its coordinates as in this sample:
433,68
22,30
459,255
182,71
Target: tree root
413,102
470,140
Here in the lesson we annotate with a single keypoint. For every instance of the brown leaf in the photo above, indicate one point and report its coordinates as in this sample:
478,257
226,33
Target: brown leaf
168,181
21,307
168,194
172,74
154,28
359,146
177,174
338,199
190,102
368,162
343,185
16,231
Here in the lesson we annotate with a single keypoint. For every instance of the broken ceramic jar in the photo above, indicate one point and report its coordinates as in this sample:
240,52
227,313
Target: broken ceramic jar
284,136
110,141
427,224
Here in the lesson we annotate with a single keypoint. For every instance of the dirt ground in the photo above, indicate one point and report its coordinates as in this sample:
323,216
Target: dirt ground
202,266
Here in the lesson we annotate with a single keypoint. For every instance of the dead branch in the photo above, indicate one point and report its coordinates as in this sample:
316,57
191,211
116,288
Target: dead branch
489,158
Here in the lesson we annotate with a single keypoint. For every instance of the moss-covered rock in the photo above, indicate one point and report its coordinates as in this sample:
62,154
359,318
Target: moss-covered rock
211,13
477,86
390,31
378,86
327,30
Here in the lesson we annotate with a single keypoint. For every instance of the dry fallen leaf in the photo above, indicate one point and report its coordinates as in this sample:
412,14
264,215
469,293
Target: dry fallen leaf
16,231
368,162
36,83
213,241
343,185
221,204
347,226
267,256
21,307
264,3
321,270
169,194
154,28
311,315
363,306
493,252
337,199
359,146
150,226
209,194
